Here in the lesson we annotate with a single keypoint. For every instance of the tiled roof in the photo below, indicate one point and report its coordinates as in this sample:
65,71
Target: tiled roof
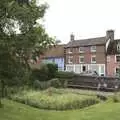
54,51
87,42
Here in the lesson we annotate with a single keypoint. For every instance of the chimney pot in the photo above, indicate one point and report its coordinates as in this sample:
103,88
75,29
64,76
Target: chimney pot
72,37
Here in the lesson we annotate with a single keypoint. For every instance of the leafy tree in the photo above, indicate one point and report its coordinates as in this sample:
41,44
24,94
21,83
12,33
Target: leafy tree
21,37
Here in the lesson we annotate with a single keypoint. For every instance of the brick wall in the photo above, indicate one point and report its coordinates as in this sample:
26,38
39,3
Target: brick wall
100,54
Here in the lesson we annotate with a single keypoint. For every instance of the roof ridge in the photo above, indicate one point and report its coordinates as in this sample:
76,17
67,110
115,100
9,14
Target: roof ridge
89,38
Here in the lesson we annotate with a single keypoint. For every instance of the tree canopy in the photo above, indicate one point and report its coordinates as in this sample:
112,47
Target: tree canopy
21,37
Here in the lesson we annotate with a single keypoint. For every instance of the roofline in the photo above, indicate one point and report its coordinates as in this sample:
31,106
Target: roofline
84,45
90,38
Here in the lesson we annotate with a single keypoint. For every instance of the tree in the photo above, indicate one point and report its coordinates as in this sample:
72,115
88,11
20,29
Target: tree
21,37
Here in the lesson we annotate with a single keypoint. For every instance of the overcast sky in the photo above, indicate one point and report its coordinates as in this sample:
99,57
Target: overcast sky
84,18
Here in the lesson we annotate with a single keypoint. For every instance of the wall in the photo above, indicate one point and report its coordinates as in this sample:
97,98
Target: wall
77,67
100,54
58,61
111,65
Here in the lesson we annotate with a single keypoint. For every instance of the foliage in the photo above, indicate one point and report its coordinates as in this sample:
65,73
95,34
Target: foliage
54,101
39,74
116,98
64,75
21,38
55,82
41,85
53,68
45,73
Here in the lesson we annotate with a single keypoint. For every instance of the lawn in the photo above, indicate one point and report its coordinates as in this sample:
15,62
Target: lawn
18,111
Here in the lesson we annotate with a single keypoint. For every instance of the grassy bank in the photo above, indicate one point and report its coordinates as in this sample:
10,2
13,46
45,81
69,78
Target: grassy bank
17,111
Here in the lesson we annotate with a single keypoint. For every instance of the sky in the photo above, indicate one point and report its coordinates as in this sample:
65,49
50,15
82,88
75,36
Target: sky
83,18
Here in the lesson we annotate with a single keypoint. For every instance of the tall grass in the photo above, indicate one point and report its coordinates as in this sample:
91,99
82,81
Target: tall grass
53,99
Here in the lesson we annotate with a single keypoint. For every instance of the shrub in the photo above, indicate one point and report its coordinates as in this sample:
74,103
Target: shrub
55,82
116,99
39,74
41,84
45,73
44,85
52,69
64,82
64,75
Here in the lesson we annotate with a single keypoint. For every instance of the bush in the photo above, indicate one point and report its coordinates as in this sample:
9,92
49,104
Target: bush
45,73
41,84
55,82
64,83
52,69
64,75
39,74
116,99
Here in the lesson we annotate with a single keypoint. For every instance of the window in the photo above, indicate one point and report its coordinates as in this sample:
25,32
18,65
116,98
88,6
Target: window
117,71
118,47
70,59
93,59
81,59
93,48
117,58
70,68
70,50
81,49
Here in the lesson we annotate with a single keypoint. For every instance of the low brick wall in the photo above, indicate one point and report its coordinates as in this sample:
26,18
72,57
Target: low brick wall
94,82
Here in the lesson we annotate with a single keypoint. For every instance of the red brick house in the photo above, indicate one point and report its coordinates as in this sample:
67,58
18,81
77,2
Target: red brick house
88,54
113,58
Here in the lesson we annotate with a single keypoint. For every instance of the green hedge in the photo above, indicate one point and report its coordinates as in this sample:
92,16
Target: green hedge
45,73
65,75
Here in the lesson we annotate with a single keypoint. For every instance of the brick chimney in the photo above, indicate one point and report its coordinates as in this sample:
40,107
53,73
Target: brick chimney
110,35
72,37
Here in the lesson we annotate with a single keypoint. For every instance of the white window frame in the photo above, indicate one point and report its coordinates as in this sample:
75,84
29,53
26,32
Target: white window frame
116,58
93,50
116,70
80,58
92,57
81,51
69,50
70,57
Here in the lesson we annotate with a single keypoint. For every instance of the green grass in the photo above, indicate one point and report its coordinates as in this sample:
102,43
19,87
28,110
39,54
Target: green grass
17,111
55,99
